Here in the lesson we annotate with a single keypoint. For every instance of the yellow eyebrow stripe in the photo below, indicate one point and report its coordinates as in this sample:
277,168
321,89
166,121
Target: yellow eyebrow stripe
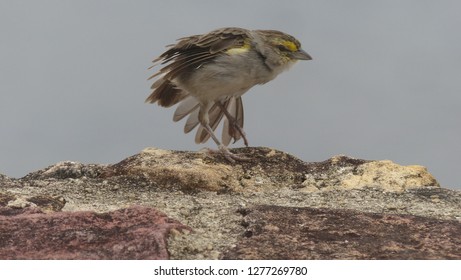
290,46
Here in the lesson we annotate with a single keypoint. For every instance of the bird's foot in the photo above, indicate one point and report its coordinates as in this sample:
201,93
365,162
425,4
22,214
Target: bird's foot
241,132
228,155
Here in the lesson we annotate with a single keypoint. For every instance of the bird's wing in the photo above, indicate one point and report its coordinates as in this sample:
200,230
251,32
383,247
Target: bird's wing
192,51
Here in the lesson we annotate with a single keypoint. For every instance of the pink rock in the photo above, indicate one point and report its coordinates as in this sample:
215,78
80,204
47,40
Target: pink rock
131,233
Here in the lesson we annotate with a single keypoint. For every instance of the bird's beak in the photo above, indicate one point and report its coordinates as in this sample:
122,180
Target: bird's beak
300,55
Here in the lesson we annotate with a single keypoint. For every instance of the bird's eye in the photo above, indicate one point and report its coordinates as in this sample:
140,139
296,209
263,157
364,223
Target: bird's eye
282,48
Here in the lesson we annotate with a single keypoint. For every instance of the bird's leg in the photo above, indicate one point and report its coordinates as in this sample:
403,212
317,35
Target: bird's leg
203,118
233,123
222,149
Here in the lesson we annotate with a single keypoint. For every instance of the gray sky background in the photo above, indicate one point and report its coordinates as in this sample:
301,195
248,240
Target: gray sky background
385,82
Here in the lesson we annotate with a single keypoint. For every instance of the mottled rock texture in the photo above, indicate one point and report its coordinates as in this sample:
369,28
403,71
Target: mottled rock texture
131,233
268,167
274,232
210,195
353,173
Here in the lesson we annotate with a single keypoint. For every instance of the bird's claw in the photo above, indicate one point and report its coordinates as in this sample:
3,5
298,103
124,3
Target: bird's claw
228,155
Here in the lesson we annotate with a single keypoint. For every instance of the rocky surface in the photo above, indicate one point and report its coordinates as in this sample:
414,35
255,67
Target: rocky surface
223,202
311,233
131,233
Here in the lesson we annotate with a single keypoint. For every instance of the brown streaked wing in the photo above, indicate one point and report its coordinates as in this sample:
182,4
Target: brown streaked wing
192,51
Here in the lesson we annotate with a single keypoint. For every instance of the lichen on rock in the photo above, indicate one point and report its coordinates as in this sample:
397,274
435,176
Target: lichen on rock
348,173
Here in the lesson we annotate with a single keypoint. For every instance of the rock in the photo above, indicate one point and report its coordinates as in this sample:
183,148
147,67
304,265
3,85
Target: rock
349,173
207,193
5,181
19,203
132,233
48,203
45,202
274,232
192,171
67,169
5,198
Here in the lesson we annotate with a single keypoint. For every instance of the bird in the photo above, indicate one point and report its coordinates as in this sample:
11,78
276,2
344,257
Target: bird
207,75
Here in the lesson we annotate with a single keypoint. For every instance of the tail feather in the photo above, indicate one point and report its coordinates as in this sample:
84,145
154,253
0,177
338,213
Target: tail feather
165,93
187,106
226,136
235,109
192,121
190,106
215,115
